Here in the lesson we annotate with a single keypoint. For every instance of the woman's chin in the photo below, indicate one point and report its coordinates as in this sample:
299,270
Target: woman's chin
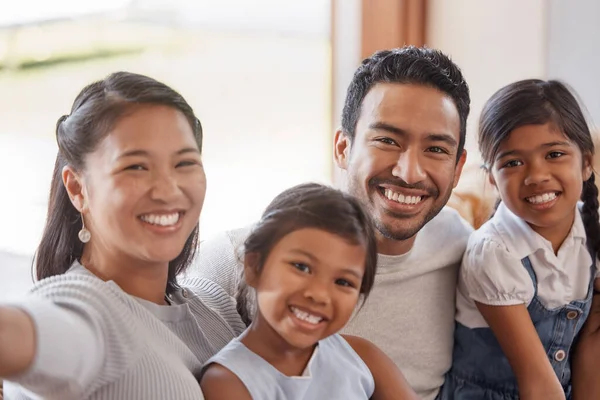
165,255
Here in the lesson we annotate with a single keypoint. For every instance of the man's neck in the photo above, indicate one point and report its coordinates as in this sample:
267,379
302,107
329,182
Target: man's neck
391,247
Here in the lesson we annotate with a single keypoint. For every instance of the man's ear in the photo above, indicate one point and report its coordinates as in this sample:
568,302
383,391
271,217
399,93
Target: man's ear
459,167
251,269
73,183
341,149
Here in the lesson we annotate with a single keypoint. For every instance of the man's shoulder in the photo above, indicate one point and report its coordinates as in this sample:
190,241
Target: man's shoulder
223,248
445,236
226,240
448,224
220,258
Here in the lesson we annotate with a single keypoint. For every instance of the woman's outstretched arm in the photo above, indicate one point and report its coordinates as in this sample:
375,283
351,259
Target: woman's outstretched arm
17,341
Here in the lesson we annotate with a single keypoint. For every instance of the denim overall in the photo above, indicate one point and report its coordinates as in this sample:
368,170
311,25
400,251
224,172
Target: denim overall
481,371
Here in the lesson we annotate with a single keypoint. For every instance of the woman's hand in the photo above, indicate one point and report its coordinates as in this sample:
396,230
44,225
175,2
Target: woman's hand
17,341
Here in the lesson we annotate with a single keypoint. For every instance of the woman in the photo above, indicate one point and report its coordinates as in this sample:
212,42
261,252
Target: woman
108,319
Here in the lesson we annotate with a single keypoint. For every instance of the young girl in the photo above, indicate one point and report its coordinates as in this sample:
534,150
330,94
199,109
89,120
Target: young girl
527,277
310,259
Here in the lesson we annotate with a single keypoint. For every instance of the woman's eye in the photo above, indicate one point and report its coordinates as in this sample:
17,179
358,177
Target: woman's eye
135,167
186,163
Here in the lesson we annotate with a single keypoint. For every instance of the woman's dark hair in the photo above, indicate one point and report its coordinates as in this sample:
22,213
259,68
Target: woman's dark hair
95,111
310,205
538,102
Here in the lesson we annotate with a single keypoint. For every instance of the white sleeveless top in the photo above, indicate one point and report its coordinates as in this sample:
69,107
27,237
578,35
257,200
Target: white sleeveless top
334,372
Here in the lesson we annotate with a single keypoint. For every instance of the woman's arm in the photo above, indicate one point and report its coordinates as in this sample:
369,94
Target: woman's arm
17,341
219,383
78,336
521,344
585,365
62,351
389,381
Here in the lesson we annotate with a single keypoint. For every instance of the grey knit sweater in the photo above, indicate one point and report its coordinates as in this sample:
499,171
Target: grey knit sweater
94,341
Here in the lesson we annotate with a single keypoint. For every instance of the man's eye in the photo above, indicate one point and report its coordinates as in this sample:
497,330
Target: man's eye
386,140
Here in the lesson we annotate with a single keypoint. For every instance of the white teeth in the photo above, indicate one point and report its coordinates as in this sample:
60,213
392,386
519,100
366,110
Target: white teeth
162,220
542,198
400,198
304,316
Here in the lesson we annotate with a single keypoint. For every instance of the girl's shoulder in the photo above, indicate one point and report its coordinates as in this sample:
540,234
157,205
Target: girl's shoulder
488,235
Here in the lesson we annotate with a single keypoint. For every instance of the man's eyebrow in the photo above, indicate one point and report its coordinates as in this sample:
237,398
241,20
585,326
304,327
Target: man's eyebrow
443,137
383,126
433,137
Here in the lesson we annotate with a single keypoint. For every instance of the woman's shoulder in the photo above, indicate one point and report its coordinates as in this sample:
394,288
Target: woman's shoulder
77,282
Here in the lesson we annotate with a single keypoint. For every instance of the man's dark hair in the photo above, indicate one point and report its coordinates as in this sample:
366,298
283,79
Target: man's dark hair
409,65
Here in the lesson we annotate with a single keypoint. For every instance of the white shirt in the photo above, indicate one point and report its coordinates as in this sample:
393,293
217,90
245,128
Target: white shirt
492,272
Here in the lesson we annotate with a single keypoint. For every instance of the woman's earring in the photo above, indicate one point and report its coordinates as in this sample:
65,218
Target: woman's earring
84,234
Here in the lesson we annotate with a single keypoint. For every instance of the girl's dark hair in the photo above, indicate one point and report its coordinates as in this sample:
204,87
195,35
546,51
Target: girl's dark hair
95,111
538,102
310,205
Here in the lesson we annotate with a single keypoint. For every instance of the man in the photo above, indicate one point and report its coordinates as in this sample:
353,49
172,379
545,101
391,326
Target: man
401,146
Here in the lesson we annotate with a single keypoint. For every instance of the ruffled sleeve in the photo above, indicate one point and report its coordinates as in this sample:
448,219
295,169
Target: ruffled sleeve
493,276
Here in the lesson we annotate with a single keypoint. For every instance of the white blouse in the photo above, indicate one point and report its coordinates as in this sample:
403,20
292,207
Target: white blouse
492,272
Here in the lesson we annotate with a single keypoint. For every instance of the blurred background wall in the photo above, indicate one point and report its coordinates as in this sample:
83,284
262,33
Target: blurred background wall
267,78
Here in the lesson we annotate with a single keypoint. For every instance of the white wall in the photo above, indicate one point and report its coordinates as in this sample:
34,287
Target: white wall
263,98
574,49
346,31
346,51
494,43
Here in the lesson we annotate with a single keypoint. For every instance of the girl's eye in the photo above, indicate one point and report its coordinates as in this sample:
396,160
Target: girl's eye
344,282
301,267
556,154
512,164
